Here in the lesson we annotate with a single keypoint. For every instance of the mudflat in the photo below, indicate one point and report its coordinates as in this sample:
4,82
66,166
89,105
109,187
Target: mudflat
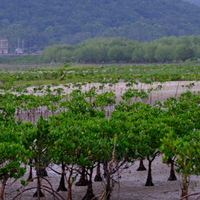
131,185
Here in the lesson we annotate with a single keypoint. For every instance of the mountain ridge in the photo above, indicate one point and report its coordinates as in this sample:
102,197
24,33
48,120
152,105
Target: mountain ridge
42,23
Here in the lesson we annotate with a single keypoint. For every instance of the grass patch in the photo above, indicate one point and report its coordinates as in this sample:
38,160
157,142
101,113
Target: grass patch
48,82
72,67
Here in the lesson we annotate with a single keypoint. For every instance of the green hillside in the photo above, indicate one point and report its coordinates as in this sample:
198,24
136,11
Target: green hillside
44,22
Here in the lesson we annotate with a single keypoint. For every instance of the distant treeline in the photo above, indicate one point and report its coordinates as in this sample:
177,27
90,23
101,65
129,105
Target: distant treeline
167,49
110,50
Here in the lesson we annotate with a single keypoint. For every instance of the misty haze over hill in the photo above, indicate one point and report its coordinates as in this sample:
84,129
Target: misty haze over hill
197,2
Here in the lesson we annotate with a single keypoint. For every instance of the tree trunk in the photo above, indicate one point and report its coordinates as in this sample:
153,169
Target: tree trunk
69,193
185,191
30,177
108,187
98,175
43,172
3,186
172,176
83,181
62,180
108,184
149,177
89,194
105,168
185,186
141,166
38,193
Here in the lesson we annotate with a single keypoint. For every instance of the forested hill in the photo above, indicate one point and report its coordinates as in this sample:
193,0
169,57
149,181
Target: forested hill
43,22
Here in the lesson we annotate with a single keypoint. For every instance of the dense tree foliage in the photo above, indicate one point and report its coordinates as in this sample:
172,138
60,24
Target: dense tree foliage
166,49
70,125
81,136
44,22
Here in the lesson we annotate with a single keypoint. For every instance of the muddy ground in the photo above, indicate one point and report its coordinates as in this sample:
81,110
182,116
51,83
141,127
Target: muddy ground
130,186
